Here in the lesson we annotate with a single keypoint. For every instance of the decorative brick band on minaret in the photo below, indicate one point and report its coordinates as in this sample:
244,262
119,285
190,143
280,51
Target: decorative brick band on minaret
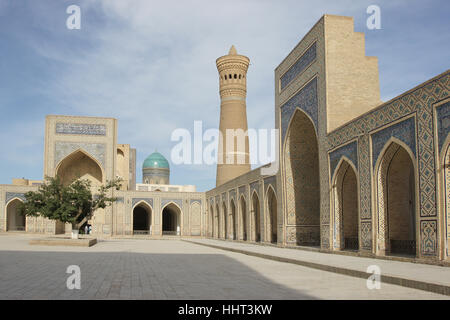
233,115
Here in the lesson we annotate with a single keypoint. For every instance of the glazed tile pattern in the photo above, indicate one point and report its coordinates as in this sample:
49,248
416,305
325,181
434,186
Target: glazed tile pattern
164,202
443,123
364,179
270,181
149,201
12,195
80,128
242,191
350,151
417,102
232,194
63,149
405,131
298,67
428,231
254,186
306,100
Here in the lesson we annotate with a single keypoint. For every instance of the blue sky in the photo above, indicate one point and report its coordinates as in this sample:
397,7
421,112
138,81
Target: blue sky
151,65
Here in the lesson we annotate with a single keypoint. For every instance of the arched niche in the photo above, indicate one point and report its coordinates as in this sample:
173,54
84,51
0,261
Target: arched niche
79,164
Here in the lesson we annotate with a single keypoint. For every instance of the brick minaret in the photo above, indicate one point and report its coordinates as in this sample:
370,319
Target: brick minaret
233,115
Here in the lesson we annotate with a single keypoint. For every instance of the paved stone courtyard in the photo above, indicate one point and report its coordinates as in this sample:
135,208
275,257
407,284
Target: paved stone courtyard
170,269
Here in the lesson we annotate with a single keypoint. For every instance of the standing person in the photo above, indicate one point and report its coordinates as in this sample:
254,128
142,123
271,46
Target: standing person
90,229
86,229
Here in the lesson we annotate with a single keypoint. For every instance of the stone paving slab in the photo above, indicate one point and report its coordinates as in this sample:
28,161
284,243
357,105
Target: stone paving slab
171,269
413,275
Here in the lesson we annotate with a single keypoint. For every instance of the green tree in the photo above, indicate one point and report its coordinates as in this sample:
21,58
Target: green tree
74,203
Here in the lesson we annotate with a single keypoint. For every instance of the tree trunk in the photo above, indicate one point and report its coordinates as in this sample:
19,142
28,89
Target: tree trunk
75,231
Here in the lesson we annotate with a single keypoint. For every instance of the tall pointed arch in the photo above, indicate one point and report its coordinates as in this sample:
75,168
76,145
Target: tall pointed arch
219,230
233,221
225,220
79,164
171,219
14,220
345,206
396,200
244,219
256,217
302,187
211,221
272,215
142,218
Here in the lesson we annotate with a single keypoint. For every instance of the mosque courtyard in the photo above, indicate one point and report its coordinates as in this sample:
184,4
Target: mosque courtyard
173,269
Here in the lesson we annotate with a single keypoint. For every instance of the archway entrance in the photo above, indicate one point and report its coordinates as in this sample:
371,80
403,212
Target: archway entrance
211,222
396,201
256,217
225,218
233,220
142,219
171,220
301,158
15,221
79,165
219,231
345,193
272,212
244,218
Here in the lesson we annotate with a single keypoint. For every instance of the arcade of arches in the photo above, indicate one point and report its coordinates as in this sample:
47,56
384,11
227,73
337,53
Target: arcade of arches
244,222
354,173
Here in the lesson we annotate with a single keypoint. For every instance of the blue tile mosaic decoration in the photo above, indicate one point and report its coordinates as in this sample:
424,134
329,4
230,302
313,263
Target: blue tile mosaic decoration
224,197
366,235
306,100
80,128
272,180
443,123
242,190
365,180
299,66
232,194
12,195
196,200
149,201
96,150
119,200
428,236
405,131
254,186
166,201
349,150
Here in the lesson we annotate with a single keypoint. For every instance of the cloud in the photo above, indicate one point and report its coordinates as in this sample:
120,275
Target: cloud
151,64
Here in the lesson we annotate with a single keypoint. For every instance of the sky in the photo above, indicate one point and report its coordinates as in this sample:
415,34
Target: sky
151,65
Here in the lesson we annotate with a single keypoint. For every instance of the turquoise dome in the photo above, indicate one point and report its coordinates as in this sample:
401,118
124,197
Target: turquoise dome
156,160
